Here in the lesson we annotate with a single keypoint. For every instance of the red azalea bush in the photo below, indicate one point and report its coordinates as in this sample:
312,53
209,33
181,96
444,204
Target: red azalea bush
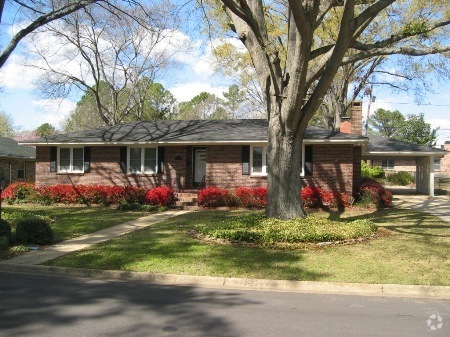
213,197
161,196
311,196
252,197
18,192
372,192
89,194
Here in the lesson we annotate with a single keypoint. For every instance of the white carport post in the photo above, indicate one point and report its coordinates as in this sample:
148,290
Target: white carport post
431,176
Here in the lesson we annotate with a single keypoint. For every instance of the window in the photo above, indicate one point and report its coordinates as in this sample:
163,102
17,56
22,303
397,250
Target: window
142,160
259,160
71,159
21,170
387,164
437,164
307,159
259,166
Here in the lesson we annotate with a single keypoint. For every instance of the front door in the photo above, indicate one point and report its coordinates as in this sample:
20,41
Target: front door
199,165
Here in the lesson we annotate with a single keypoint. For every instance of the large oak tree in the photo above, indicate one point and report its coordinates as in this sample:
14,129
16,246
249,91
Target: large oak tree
295,86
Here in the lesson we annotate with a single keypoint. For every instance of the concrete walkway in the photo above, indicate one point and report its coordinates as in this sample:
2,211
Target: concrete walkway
40,256
438,205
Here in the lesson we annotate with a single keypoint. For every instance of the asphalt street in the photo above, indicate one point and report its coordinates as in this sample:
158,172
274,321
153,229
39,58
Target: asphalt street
37,305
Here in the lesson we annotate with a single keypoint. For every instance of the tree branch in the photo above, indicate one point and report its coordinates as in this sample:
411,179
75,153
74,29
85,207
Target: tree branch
39,22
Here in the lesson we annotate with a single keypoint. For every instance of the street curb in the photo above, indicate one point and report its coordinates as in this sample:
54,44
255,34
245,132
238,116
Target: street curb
338,288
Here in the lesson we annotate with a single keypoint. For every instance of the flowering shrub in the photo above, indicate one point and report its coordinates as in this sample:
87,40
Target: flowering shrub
89,194
252,197
336,199
311,196
212,197
18,192
161,196
371,192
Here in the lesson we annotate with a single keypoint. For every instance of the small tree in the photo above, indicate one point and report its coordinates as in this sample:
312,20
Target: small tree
45,130
387,123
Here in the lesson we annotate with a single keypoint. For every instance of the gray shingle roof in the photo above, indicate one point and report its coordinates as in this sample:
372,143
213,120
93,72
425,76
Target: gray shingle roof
11,148
193,131
380,144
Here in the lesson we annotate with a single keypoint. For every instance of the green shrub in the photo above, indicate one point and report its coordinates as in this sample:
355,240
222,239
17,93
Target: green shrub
256,228
400,178
372,171
5,230
4,243
34,231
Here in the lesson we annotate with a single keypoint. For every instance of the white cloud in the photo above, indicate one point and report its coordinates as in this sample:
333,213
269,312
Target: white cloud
53,111
187,91
15,75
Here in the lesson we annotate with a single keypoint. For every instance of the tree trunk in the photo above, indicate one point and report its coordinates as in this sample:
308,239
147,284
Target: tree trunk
284,165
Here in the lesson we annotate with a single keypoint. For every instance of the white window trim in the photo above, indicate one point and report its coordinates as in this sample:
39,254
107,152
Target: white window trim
71,170
264,163
141,171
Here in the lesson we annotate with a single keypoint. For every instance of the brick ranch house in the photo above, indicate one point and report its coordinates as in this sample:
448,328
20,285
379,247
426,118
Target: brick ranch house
189,154
17,162
223,153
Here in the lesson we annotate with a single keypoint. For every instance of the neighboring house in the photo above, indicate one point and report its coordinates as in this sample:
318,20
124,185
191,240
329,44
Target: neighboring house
441,165
393,154
17,162
188,154
223,153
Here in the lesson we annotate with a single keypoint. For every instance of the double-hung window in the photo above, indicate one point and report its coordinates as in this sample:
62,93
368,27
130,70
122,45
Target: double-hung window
387,164
71,159
21,170
259,160
142,160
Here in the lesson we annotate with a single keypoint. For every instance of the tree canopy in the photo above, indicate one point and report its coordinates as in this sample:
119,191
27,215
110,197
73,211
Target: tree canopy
394,124
296,64
6,125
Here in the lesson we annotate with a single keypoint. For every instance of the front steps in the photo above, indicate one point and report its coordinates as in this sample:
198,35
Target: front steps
186,199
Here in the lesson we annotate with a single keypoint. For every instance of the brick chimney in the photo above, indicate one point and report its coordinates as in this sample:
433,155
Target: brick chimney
352,121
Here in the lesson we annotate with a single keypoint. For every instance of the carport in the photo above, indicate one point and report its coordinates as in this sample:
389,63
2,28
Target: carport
383,148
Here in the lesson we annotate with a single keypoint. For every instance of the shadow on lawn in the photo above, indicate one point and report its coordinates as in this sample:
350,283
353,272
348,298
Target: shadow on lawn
166,247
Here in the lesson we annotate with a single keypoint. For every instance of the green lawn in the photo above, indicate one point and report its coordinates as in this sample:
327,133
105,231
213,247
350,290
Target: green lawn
414,252
68,221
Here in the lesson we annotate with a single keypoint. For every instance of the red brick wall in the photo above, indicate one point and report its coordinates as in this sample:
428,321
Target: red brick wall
224,168
9,166
105,169
333,168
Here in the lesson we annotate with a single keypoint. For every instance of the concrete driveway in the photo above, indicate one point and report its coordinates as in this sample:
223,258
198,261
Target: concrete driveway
438,205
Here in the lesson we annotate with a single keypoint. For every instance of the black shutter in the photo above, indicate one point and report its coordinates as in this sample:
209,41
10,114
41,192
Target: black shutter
245,159
123,159
161,154
87,159
53,159
308,160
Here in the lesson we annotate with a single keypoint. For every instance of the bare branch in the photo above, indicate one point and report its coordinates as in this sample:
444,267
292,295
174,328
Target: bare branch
41,21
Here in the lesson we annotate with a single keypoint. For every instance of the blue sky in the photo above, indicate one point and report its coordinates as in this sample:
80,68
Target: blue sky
20,100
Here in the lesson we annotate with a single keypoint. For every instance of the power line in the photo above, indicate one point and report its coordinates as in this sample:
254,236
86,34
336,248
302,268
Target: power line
417,104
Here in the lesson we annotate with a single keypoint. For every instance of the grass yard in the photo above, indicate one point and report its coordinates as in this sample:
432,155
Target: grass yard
69,221
415,252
